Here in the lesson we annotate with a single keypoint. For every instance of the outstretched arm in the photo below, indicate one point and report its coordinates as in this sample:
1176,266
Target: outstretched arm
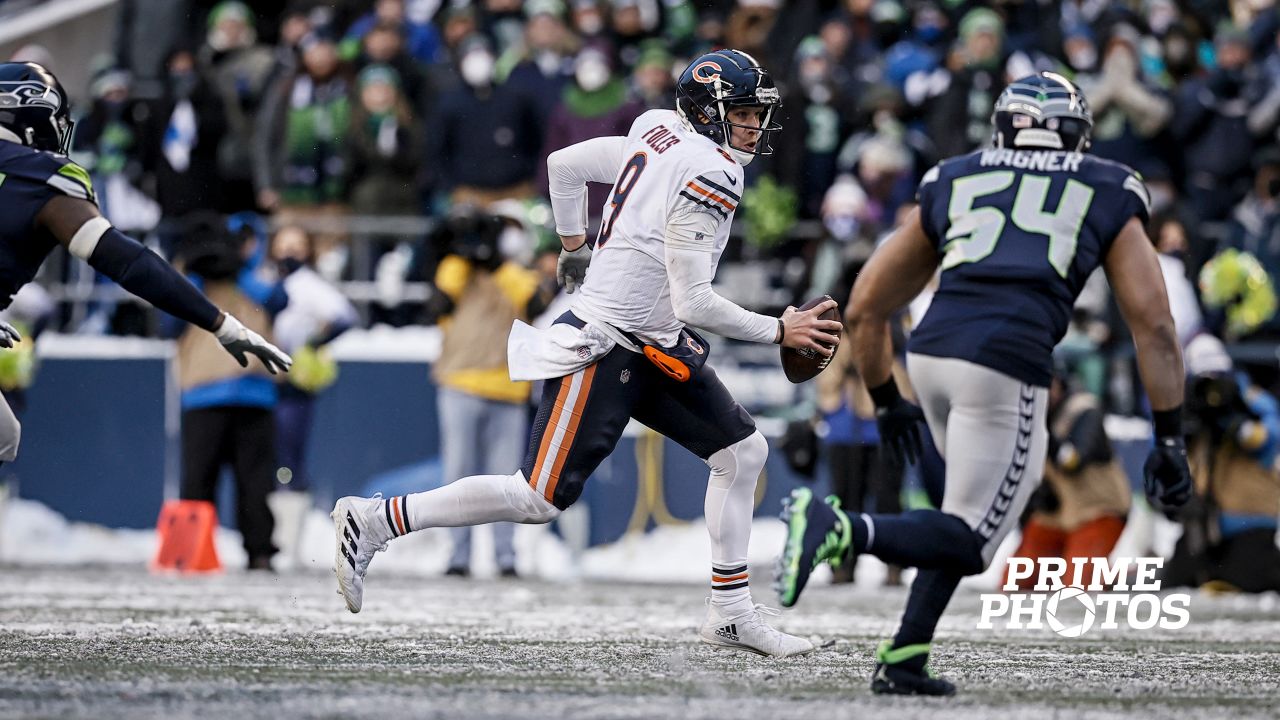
77,224
1134,273
895,274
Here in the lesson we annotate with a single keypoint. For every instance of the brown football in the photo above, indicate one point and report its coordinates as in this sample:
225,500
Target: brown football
802,365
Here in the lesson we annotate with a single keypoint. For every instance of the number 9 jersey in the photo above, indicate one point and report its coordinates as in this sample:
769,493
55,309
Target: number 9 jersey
667,174
1019,231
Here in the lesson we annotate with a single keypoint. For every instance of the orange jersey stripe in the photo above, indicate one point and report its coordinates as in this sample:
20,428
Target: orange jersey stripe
699,189
550,430
571,431
731,578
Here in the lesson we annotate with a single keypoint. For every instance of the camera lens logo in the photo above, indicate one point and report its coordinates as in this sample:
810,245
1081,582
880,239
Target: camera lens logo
1074,596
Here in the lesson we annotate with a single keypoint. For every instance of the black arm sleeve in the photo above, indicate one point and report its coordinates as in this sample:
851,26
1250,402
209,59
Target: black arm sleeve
148,276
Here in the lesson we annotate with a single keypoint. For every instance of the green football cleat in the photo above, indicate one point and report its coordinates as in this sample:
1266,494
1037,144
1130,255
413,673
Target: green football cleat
816,532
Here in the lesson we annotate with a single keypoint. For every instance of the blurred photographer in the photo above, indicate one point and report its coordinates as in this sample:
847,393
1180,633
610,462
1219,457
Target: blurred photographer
227,409
1229,527
1080,510
483,421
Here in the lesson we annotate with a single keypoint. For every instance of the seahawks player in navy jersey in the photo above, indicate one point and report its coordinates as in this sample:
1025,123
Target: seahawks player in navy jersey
1015,230
47,200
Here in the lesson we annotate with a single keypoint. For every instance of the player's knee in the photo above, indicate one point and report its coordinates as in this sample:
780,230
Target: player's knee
741,462
532,507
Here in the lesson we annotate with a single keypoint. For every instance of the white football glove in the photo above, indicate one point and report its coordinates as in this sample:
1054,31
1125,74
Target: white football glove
241,342
571,270
9,336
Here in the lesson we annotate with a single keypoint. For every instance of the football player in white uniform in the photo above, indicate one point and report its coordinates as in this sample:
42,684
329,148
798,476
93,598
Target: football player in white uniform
626,348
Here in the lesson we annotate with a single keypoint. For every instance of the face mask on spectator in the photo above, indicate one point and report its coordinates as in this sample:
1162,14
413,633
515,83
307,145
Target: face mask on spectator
290,265
183,82
477,68
1083,58
841,227
591,74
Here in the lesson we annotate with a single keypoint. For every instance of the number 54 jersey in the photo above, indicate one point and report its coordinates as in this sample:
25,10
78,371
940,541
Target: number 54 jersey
1019,232
665,171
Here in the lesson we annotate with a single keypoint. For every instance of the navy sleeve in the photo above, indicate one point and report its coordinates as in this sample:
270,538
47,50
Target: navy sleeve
932,198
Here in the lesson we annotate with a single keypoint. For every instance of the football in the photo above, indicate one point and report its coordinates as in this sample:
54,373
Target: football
802,365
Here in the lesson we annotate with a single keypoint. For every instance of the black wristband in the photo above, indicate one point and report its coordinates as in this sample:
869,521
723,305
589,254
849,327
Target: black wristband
1167,423
782,331
885,394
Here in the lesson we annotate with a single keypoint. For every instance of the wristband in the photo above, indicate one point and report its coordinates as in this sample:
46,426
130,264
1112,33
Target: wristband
1167,423
886,393
782,331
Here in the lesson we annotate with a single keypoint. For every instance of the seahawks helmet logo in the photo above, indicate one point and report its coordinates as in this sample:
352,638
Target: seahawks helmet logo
28,94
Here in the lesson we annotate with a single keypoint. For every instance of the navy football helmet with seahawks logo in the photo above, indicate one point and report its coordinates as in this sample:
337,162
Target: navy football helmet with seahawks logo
1042,111
34,109
717,82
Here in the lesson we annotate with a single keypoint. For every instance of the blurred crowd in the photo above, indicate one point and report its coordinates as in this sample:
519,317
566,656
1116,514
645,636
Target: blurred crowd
375,127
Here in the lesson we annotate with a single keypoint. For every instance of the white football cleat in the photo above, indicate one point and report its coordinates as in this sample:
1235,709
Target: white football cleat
361,531
748,631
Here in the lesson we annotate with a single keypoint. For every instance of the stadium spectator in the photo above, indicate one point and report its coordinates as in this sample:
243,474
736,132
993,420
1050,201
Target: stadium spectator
317,313
108,143
543,64
1255,222
184,129
1229,527
958,118
240,68
421,40
487,428
146,33
486,136
595,104
1170,237
384,45
385,146
1080,509
227,409
1127,112
1210,123
818,117
652,83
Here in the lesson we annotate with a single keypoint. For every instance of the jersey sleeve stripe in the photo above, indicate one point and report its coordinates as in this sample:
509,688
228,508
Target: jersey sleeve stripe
1135,186
699,201
702,179
69,187
711,195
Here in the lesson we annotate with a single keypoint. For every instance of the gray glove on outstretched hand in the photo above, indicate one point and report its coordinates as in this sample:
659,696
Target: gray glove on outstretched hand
241,342
571,271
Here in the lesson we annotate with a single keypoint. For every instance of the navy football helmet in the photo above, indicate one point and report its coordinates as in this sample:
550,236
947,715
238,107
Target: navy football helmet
34,108
1042,111
717,82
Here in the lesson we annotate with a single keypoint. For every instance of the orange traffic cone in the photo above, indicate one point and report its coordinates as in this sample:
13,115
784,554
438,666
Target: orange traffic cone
185,530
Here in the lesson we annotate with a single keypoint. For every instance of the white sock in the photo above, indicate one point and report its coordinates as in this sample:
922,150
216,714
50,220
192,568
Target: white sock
477,500
729,505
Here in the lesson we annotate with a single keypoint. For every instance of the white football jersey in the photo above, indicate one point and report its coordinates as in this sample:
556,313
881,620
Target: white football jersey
668,170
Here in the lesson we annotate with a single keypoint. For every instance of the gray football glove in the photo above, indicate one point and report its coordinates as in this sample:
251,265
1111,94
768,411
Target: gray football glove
571,271
241,342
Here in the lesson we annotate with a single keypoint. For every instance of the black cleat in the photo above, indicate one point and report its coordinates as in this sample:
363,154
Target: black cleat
905,671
